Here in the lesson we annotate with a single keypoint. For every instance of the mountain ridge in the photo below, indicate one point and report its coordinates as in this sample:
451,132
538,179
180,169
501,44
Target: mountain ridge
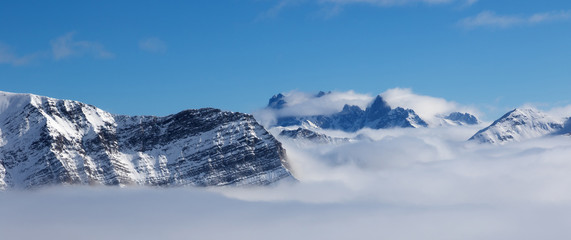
47,141
377,114
517,125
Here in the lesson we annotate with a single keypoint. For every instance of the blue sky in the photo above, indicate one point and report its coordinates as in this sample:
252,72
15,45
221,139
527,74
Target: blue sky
159,57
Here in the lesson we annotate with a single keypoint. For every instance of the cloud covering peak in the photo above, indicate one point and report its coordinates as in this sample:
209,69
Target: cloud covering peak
296,104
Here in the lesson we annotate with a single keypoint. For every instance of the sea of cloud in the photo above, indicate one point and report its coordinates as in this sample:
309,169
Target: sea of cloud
399,184
427,183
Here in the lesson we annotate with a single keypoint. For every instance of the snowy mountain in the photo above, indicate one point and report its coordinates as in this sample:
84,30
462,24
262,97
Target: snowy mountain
302,134
517,125
352,112
459,119
49,141
377,115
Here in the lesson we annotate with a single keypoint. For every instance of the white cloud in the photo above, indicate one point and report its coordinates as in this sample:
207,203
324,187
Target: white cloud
406,184
153,45
278,8
62,47
550,16
65,47
7,56
306,104
427,107
426,167
560,112
389,3
491,19
330,8
471,2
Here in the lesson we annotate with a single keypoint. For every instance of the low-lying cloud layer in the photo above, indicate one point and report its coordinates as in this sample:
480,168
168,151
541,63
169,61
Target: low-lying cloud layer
402,184
425,183
434,166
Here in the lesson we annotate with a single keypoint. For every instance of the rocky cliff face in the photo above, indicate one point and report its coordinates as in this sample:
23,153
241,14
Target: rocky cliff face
48,141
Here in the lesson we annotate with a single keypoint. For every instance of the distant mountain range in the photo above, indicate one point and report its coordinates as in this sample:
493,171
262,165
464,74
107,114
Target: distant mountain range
377,115
516,125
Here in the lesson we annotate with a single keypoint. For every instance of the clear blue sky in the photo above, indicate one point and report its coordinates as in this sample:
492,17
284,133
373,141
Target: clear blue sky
160,57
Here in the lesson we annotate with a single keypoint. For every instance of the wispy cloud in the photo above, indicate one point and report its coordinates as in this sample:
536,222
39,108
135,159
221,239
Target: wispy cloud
278,8
330,8
62,47
7,56
153,45
66,46
427,107
471,2
491,19
389,3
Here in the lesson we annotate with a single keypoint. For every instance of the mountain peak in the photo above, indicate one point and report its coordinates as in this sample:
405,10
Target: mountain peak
462,118
322,93
350,108
378,108
277,101
519,124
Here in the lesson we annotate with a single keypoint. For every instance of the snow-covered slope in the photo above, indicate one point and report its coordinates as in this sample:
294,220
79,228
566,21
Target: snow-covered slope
517,125
49,141
305,135
458,119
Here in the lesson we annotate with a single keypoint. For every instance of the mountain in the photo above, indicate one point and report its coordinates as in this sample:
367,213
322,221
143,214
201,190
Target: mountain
277,101
460,119
377,115
49,141
517,125
302,134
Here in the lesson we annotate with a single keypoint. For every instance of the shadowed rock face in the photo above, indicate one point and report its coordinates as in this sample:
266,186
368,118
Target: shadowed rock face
277,101
48,141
